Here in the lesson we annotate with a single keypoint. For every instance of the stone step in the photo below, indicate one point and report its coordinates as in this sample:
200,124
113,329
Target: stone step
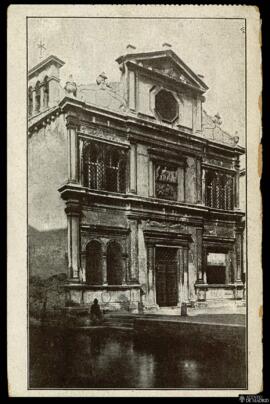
118,321
118,325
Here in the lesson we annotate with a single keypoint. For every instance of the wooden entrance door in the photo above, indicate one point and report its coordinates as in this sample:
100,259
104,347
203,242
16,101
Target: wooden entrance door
166,276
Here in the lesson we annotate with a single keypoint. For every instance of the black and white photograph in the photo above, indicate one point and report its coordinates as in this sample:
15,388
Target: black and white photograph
136,211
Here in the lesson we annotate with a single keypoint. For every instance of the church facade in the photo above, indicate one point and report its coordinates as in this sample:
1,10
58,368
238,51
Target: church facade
133,188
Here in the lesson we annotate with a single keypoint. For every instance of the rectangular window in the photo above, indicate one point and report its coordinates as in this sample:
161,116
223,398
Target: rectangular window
166,181
216,268
104,167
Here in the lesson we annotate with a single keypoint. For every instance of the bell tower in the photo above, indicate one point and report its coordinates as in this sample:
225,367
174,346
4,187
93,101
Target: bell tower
44,85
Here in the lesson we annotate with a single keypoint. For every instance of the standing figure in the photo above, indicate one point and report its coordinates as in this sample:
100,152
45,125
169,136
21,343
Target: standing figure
95,312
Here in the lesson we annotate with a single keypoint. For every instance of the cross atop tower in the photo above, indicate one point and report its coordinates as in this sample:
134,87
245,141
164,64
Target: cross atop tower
42,48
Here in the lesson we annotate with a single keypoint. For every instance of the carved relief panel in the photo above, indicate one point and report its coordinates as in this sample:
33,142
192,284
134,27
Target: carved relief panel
166,181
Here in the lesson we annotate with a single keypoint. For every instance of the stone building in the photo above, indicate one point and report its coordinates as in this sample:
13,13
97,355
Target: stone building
133,188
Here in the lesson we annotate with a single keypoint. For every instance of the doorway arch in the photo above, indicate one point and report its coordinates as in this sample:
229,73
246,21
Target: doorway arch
93,272
114,263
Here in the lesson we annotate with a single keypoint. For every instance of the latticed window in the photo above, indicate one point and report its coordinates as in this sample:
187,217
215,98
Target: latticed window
104,167
229,192
219,190
166,182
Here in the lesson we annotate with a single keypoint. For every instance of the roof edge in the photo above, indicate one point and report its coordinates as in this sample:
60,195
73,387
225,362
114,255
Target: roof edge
169,53
49,60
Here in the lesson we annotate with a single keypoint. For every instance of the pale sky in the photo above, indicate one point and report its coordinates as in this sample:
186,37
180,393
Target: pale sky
213,48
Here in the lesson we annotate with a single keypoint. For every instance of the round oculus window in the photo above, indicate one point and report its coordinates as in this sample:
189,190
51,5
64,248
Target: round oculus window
166,106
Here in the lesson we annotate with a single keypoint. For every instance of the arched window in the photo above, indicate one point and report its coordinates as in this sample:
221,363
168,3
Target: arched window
30,100
104,167
37,95
46,92
114,264
93,263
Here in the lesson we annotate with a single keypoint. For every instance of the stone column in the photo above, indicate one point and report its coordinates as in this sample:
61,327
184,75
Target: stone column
203,187
124,269
239,247
237,176
80,163
133,250
185,280
233,265
133,168
228,269
180,276
151,287
199,180
73,152
204,264
239,290
73,212
83,266
199,233
104,268
202,280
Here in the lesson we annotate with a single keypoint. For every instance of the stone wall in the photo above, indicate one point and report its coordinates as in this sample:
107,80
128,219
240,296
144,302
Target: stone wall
47,170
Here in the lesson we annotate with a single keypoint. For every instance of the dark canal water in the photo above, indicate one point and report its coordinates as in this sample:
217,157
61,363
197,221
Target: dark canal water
106,359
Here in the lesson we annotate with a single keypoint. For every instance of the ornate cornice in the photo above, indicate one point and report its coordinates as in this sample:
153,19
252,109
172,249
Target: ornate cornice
167,238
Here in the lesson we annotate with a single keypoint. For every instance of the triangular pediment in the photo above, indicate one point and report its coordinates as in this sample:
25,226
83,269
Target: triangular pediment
168,64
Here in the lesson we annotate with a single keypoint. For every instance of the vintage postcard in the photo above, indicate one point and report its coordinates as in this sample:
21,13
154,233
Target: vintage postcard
134,222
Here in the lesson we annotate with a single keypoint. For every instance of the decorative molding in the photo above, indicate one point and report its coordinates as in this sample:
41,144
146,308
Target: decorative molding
167,238
72,121
179,227
169,155
219,243
100,134
100,229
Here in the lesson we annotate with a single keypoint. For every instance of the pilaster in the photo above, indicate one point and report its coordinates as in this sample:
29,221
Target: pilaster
133,275
151,288
199,235
72,124
185,280
151,177
133,168
203,196
181,184
199,180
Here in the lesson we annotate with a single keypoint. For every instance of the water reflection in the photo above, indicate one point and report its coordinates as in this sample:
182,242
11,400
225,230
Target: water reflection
96,359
